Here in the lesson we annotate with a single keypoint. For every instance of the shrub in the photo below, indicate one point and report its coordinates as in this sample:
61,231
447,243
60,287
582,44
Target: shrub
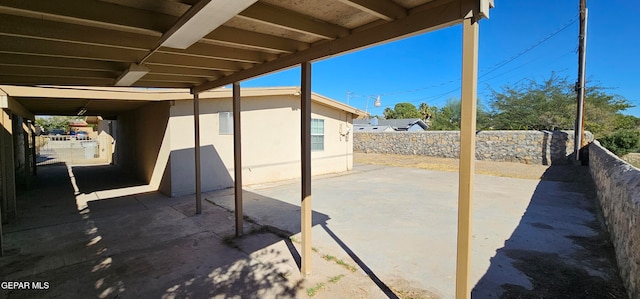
622,142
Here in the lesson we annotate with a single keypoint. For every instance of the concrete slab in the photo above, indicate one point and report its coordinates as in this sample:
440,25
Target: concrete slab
401,225
379,232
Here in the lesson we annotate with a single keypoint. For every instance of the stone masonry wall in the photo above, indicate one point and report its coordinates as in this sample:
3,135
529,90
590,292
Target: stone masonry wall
530,147
618,187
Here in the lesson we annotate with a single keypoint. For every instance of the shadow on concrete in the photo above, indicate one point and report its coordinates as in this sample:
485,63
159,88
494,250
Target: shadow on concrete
103,177
135,245
285,219
560,248
383,287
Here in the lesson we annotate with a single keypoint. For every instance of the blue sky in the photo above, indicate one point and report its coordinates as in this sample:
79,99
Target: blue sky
527,35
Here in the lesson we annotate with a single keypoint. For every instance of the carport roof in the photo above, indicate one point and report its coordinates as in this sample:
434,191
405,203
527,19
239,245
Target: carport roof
92,42
109,101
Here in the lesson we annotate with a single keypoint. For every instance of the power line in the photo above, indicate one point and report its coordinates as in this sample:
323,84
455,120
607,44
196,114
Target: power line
548,37
489,70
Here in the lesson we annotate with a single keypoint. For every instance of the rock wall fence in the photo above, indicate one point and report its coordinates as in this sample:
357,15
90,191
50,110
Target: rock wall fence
618,187
530,147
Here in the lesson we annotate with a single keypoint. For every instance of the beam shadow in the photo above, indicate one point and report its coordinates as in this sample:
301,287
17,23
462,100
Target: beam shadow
383,287
560,247
261,209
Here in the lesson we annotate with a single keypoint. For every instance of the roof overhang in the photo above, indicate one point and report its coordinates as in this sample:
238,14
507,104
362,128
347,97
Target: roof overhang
109,101
95,42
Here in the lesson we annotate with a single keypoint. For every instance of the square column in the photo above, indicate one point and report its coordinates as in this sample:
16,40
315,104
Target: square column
305,141
467,154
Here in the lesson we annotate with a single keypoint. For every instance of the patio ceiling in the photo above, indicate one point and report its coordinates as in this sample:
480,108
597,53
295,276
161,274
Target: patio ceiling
92,43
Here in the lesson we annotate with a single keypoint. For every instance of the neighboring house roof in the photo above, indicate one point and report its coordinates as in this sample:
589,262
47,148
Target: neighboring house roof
400,124
78,123
105,100
403,123
367,128
362,121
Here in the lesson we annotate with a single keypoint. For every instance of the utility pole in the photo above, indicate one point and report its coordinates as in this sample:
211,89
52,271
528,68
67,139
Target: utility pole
580,85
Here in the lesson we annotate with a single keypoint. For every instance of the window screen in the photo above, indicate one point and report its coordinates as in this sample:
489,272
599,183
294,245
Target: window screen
226,123
317,134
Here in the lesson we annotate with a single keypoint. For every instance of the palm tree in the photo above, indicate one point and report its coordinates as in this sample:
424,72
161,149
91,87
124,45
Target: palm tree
425,111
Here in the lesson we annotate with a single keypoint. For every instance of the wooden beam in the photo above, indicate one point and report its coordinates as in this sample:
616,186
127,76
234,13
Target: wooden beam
237,159
61,63
306,211
56,31
92,13
196,148
160,58
51,72
286,19
20,45
383,9
467,155
438,16
172,78
38,80
157,69
35,47
235,37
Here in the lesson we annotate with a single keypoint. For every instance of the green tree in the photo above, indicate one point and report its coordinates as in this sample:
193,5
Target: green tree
49,123
622,142
628,122
551,105
389,113
534,106
449,117
402,110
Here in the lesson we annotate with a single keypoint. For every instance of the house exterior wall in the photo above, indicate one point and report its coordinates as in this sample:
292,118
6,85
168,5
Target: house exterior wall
156,141
270,142
139,147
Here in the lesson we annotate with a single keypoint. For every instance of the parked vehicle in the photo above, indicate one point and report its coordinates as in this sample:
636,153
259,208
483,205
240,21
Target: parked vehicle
81,135
57,132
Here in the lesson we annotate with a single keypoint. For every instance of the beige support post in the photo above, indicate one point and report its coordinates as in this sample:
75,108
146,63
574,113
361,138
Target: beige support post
237,158
1,186
4,165
8,169
34,153
467,154
305,139
1,242
196,128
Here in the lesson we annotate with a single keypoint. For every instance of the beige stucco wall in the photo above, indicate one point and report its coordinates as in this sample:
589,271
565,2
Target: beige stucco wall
142,144
270,142
156,142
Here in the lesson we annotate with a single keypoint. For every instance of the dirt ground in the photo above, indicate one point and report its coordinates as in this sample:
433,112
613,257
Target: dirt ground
502,169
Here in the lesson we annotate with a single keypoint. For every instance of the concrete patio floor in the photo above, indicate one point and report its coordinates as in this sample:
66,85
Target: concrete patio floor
379,232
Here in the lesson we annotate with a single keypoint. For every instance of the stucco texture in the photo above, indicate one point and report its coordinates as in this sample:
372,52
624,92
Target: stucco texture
162,140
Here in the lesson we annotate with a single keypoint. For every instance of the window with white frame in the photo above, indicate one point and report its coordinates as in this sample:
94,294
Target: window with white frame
225,121
317,134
